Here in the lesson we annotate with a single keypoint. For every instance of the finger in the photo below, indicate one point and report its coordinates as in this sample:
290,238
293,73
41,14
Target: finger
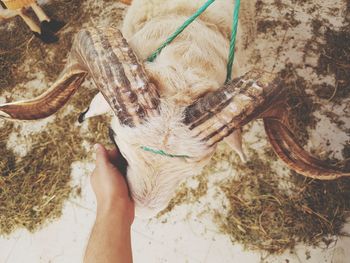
93,179
113,154
107,159
102,157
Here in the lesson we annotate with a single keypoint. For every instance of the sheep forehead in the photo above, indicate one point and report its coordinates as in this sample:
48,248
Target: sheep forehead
154,178
165,132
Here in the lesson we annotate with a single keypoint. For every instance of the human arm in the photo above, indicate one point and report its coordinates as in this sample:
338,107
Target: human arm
110,239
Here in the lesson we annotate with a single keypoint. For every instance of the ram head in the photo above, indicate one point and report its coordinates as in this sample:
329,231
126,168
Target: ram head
162,141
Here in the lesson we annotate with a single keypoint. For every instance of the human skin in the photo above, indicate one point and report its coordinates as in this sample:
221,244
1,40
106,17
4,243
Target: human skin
110,239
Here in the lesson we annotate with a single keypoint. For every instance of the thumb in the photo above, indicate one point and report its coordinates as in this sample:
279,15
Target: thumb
101,155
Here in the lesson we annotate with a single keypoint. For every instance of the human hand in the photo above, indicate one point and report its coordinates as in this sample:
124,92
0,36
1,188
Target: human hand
110,186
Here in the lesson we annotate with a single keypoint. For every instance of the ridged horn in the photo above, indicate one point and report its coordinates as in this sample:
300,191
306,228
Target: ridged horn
105,55
219,113
50,101
286,146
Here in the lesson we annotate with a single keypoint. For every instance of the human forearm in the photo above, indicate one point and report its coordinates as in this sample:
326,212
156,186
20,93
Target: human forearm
110,239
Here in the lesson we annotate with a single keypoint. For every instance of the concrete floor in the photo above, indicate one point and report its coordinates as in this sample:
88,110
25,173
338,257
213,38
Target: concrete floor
183,238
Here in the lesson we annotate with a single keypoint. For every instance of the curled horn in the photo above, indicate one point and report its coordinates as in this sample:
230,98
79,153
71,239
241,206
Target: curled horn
218,114
288,149
106,56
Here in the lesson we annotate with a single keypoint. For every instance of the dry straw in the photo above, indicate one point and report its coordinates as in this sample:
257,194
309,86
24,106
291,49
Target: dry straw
261,214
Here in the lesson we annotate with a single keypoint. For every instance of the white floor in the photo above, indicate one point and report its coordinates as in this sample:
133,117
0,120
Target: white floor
184,237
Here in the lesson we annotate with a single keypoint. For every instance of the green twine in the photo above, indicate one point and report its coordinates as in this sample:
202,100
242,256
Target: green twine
161,152
231,56
180,29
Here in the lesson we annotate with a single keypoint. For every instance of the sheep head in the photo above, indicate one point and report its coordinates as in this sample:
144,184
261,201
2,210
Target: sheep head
165,143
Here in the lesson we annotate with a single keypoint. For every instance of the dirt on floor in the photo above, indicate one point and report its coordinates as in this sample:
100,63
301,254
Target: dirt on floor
36,162
265,206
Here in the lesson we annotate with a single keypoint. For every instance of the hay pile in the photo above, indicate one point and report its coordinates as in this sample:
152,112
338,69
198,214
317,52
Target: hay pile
266,207
263,215
265,211
273,213
262,209
33,188
35,182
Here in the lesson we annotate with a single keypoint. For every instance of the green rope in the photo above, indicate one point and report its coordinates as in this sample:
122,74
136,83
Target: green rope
180,29
161,152
231,56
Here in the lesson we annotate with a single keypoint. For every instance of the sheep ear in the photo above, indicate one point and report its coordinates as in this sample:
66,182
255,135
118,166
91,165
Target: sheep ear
98,106
234,140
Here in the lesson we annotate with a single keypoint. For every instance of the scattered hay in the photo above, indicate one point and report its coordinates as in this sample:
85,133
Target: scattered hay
300,103
263,215
262,209
265,211
333,47
335,59
33,188
17,45
188,195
